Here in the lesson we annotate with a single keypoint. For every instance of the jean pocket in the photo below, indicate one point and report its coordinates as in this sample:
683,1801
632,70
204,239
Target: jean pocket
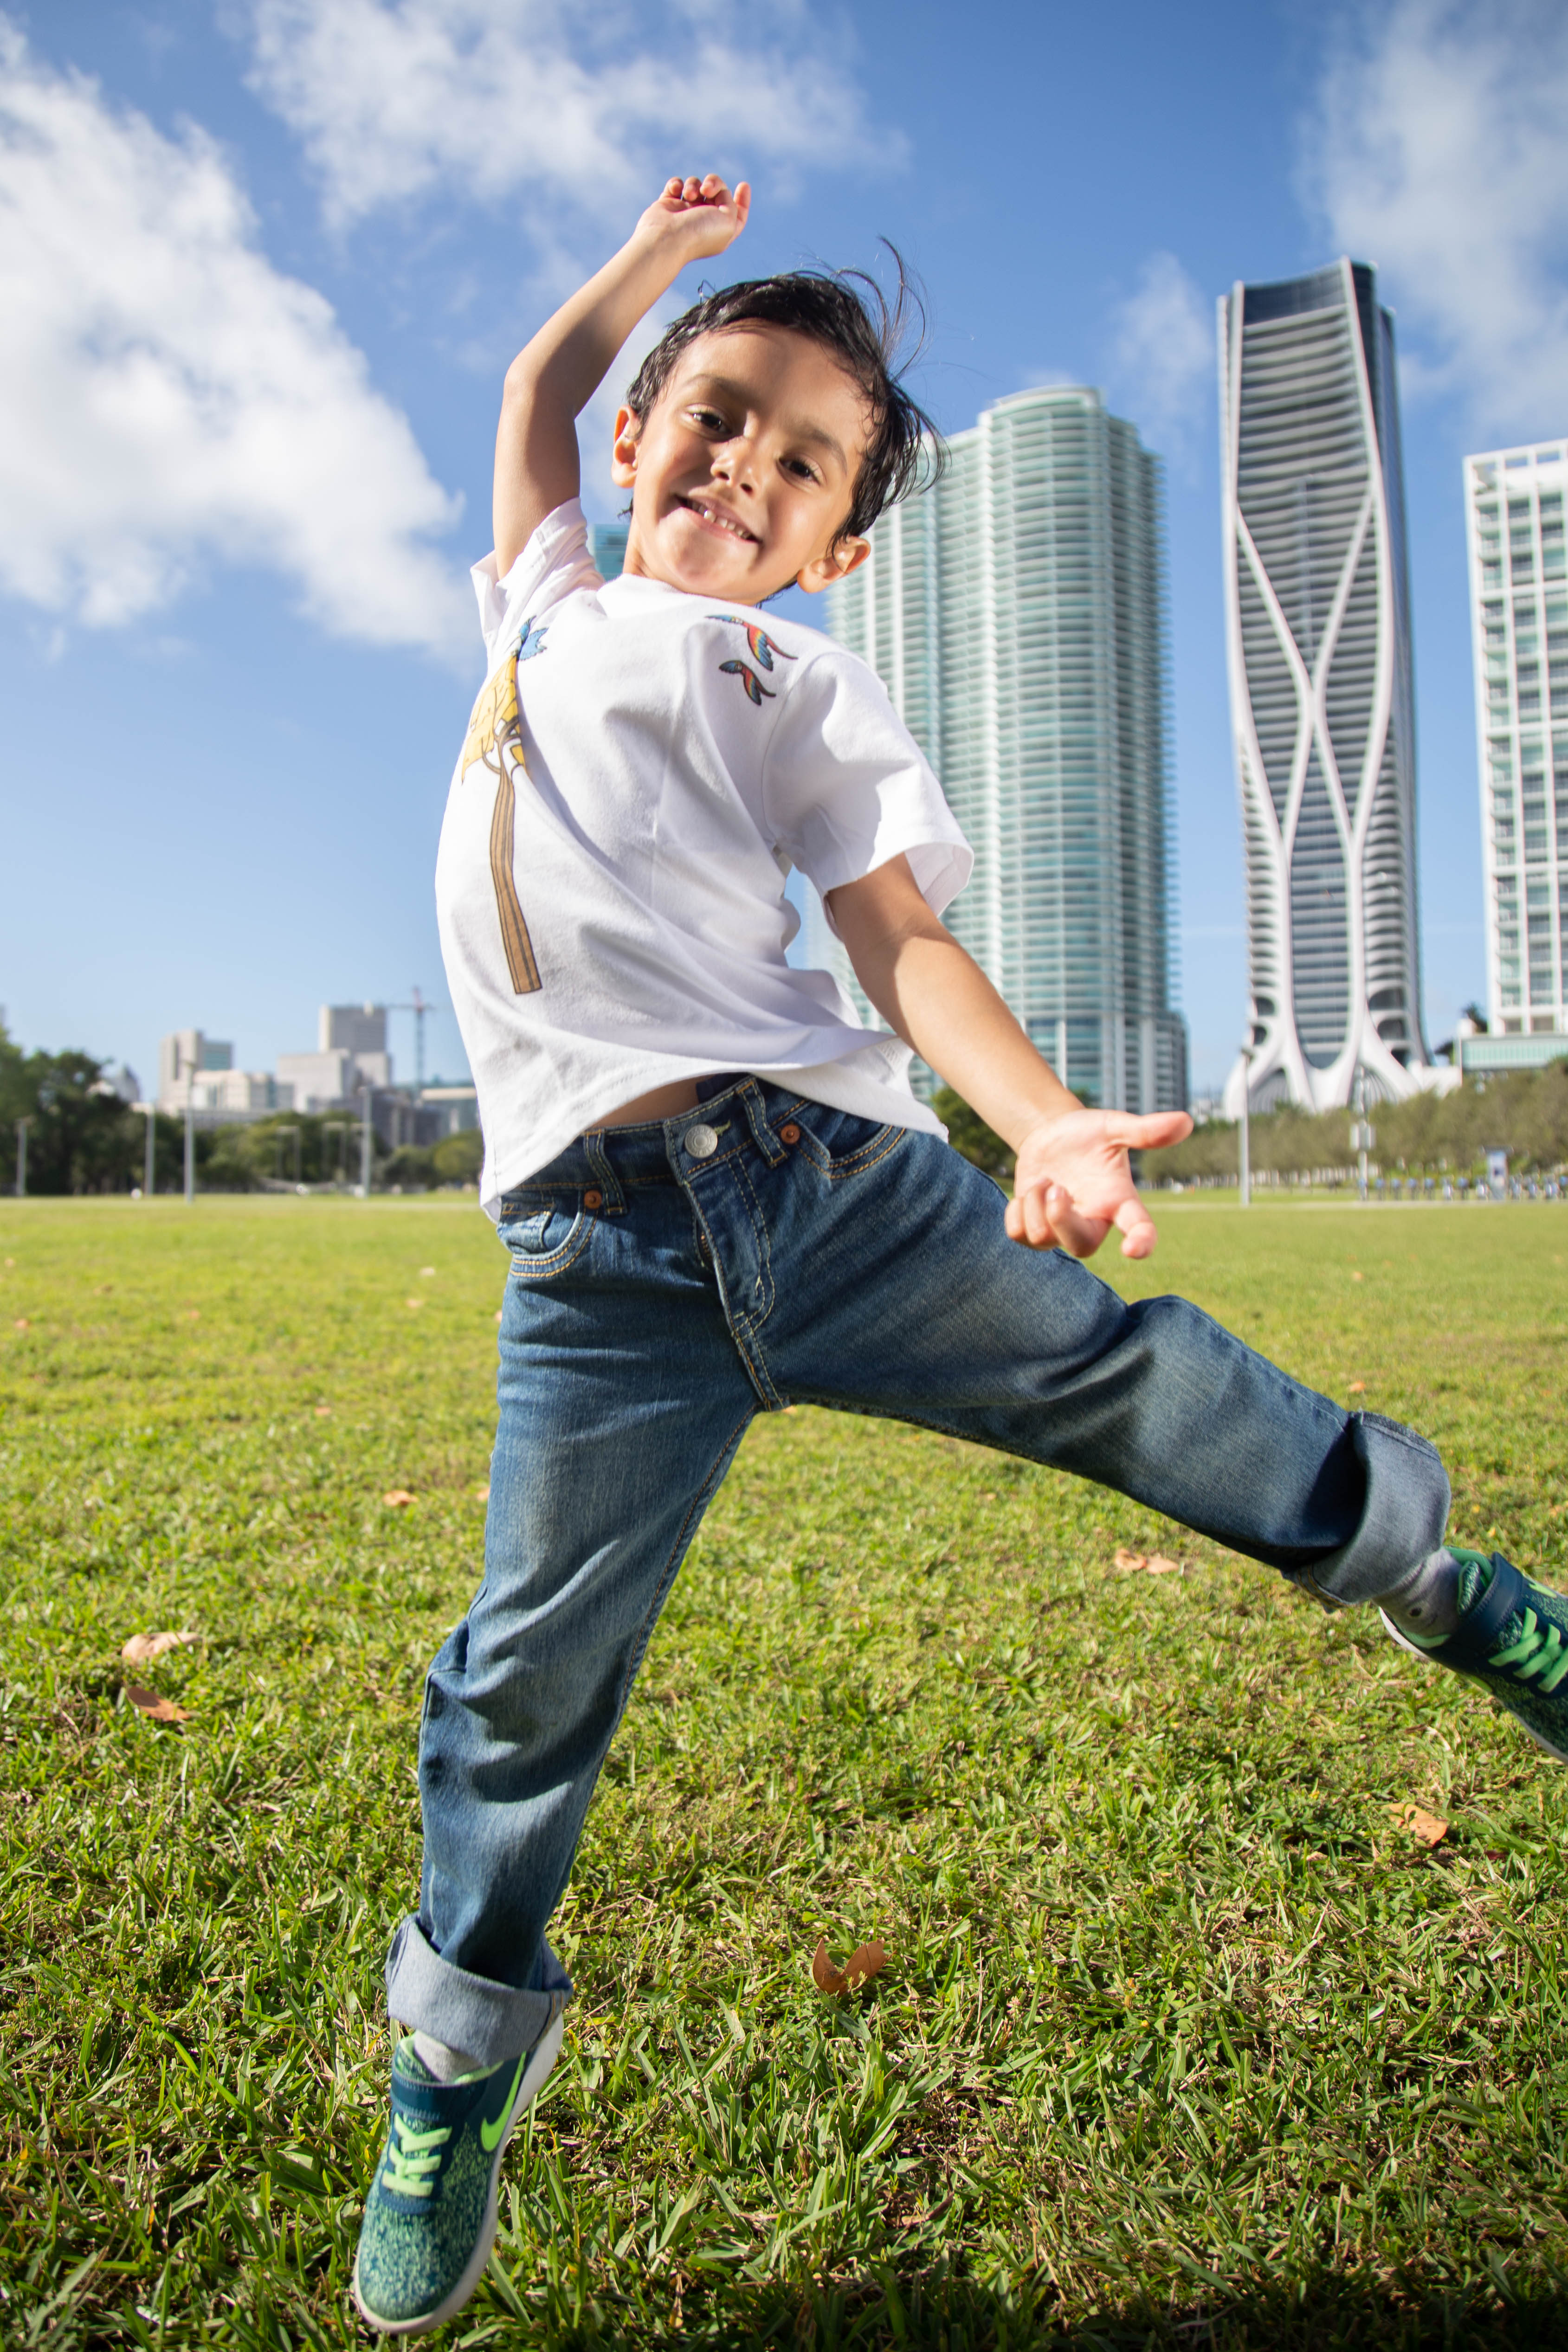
839,1144
544,1242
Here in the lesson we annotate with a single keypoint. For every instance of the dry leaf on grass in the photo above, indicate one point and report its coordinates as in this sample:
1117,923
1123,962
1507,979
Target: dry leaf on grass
142,1647
1425,1827
161,1710
498,1320
24,1323
1357,1388
397,1498
863,1964
413,1302
1153,1563
427,1274
482,1493
321,1411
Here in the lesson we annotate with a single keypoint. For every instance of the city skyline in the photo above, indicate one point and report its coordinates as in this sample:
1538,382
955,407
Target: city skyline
1015,613
282,655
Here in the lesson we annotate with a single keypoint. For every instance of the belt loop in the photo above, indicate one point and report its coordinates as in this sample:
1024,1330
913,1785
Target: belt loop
599,1162
767,1142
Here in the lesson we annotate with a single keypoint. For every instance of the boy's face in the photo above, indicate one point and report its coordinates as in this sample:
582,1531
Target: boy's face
743,476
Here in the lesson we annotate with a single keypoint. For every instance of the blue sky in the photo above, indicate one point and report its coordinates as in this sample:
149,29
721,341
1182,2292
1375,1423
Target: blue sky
265,265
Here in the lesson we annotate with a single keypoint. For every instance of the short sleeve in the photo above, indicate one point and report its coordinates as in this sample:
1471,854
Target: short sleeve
846,787
554,563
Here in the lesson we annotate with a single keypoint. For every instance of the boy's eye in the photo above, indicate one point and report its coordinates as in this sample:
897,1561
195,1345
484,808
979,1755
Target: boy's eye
708,420
801,468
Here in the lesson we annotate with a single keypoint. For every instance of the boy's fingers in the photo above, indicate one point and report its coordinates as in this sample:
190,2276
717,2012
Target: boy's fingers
1137,1227
1149,1134
1080,1236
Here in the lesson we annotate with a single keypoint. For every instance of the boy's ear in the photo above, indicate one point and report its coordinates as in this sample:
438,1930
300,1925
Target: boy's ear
624,451
845,556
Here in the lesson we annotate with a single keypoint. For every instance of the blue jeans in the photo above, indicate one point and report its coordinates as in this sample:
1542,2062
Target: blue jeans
657,1302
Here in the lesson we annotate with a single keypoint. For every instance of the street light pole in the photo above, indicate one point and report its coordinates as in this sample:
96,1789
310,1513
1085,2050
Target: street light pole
364,1150
22,1127
149,1112
1246,1164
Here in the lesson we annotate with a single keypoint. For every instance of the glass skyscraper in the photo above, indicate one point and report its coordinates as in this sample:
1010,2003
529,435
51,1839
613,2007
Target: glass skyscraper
1518,611
1317,619
1017,614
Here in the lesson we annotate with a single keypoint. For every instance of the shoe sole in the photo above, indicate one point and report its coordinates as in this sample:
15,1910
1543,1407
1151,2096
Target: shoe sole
1415,1650
535,2075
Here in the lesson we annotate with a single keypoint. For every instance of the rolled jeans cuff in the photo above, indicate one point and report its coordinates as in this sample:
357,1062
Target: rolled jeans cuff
491,2021
1403,1517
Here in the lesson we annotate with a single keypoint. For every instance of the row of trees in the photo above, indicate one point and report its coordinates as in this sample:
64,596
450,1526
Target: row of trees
83,1136
1524,1114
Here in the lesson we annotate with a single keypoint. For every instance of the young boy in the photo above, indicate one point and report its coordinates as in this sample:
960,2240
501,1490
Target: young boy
718,1192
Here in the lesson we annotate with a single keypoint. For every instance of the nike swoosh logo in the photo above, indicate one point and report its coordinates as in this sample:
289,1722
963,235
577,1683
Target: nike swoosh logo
491,2134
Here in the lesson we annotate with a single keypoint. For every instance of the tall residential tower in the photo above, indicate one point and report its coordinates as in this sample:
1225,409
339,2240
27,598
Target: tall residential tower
1519,612
1317,624
1015,614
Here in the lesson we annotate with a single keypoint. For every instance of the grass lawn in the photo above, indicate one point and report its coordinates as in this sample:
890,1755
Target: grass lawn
1181,2041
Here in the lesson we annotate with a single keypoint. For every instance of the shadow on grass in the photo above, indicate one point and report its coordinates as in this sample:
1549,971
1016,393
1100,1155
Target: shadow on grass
950,2313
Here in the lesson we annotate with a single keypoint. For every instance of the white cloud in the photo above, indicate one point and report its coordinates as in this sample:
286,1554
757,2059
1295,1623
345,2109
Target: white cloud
1436,149
1162,353
588,107
167,398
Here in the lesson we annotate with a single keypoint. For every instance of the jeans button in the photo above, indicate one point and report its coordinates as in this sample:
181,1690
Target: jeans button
701,1141
790,1134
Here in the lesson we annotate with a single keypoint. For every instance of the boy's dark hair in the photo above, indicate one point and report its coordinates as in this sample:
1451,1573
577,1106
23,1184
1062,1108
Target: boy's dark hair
865,336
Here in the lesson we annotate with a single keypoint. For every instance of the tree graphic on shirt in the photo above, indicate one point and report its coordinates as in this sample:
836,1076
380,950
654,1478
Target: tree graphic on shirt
494,740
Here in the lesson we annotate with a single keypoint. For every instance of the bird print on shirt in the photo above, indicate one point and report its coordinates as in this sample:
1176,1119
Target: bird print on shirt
763,648
494,740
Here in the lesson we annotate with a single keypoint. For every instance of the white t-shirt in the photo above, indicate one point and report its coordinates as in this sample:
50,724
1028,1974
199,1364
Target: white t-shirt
642,769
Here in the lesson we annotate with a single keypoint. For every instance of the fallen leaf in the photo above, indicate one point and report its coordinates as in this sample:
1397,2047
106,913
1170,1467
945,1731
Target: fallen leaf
1357,1388
322,1411
864,1962
1158,1565
482,1493
141,1647
413,1302
161,1710
1425,1827
789,1408
427,1274
1128,1561
397,1498
24,1323
1358,1277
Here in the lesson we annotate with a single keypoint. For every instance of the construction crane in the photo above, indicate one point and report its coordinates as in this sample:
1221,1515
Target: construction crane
419,1007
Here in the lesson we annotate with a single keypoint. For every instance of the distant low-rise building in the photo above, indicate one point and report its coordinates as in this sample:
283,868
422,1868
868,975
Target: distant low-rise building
181,1053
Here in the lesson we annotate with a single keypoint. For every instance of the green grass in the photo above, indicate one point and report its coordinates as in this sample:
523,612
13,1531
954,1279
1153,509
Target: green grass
1181,2042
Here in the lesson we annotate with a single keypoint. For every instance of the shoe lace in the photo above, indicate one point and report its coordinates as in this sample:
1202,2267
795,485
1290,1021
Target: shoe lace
1539,1651
412,2157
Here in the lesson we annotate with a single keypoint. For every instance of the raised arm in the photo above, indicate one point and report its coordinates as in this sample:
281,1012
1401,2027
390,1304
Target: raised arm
1073,1182
553,378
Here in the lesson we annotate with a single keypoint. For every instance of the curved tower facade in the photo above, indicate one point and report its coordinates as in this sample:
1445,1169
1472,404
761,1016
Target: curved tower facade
1317,629
1017,614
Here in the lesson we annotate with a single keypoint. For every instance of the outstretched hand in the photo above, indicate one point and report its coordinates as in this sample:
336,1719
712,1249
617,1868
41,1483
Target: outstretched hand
1073,1182
697,217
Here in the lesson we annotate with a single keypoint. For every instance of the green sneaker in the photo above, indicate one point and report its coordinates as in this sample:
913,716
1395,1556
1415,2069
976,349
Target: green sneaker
1513,1636
430,2217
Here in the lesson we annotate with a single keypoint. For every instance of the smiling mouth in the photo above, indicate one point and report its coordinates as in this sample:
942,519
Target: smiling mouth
717,519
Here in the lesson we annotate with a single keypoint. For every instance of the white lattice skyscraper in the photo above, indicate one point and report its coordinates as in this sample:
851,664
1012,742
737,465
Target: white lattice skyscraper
1318,618
1016,615
1519,607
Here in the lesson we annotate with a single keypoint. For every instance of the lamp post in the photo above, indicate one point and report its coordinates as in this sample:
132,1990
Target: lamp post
1362,1137
190,1126
337,1127
1244,1186
365,1145
22,1127
149,1112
